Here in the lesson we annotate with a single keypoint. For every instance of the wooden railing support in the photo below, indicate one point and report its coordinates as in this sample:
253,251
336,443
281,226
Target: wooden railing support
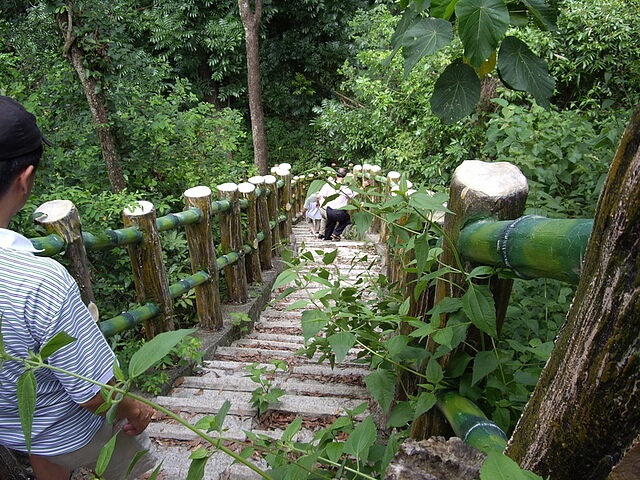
203,257
231,241
262,209
149,274
284,202
61,217
272,204
252,259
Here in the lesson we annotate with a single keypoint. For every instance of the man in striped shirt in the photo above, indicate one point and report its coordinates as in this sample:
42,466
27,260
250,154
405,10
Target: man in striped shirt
39,299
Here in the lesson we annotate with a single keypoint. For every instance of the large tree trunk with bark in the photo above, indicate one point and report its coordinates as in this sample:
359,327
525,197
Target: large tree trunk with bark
251,23
584,414
75,55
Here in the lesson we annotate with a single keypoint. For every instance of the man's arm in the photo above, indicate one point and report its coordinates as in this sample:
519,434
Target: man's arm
137,414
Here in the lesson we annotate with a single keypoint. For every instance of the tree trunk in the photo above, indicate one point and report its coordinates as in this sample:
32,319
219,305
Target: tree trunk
584,413
251,23
75,55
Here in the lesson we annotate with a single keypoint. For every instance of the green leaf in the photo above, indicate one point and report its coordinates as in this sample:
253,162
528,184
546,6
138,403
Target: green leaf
154,350
198,459
484,363
341,343
329,257
409,17
521,69
27,403
382,385
424,38
361,439
542,13
393,444
104,457
136,458
285,277
456,92
293,428
312,322
479,306
362,221
481,25
59,340
434,372
443,8
401,414
497,466
426,401
334,450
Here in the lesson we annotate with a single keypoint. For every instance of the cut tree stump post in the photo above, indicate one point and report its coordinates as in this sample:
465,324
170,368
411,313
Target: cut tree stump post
252,259
231,241
284,202
61,217
262,208
202,252
272,206
149,274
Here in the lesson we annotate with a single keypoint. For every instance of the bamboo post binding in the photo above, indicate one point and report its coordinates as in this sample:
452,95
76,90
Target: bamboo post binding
203,257
231,241
262,211
61,217
252,259
149,274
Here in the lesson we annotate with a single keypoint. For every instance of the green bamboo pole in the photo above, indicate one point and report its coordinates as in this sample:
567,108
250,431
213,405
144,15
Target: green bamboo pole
471,424
530,246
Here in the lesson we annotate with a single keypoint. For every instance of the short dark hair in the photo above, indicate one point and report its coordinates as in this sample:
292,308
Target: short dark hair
10,169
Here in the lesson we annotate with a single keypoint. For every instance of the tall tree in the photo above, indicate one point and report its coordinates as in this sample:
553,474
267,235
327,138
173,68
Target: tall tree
70,23
584,413
251,22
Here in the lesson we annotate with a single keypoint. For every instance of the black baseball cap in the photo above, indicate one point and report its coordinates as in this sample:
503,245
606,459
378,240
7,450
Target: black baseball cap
19,133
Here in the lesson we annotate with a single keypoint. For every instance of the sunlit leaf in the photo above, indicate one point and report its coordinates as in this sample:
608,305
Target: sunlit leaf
312,322
456,92
521,69
154,350
481,25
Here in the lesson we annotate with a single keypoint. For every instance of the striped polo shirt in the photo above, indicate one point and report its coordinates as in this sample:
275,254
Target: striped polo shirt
38,299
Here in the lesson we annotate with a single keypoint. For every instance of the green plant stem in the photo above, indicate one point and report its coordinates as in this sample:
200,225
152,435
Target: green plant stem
37,363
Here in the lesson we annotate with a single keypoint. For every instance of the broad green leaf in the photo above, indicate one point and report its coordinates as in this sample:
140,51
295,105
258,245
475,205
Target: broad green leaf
497,466
104,457
404,307
298,304
443,8
334,450
401,414
456,92
542,13
434,372
361,439
522,70
59,340
27,403
382,385
285,277
154,350
479,306
458,364
362,221
484,363
136,458
424,38
481,25
426,401
198,459
293,428
329,257
446,305
341,343
312,322
393,444
409,17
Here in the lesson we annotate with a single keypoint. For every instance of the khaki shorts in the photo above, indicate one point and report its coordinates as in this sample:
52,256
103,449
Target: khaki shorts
125,449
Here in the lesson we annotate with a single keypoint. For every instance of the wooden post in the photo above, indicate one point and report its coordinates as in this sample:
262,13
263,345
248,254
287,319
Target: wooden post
231,241
375,187
496,190
61,217
149,274
263,223
272,204
203,257
284,203
252,260
392,179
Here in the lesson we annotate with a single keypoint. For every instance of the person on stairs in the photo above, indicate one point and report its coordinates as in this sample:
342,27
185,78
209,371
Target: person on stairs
334,199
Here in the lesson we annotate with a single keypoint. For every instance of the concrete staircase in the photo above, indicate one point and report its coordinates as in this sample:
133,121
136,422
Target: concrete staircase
315,392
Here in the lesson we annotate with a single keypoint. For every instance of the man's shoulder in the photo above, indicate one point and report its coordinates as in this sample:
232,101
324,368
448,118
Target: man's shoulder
37,268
